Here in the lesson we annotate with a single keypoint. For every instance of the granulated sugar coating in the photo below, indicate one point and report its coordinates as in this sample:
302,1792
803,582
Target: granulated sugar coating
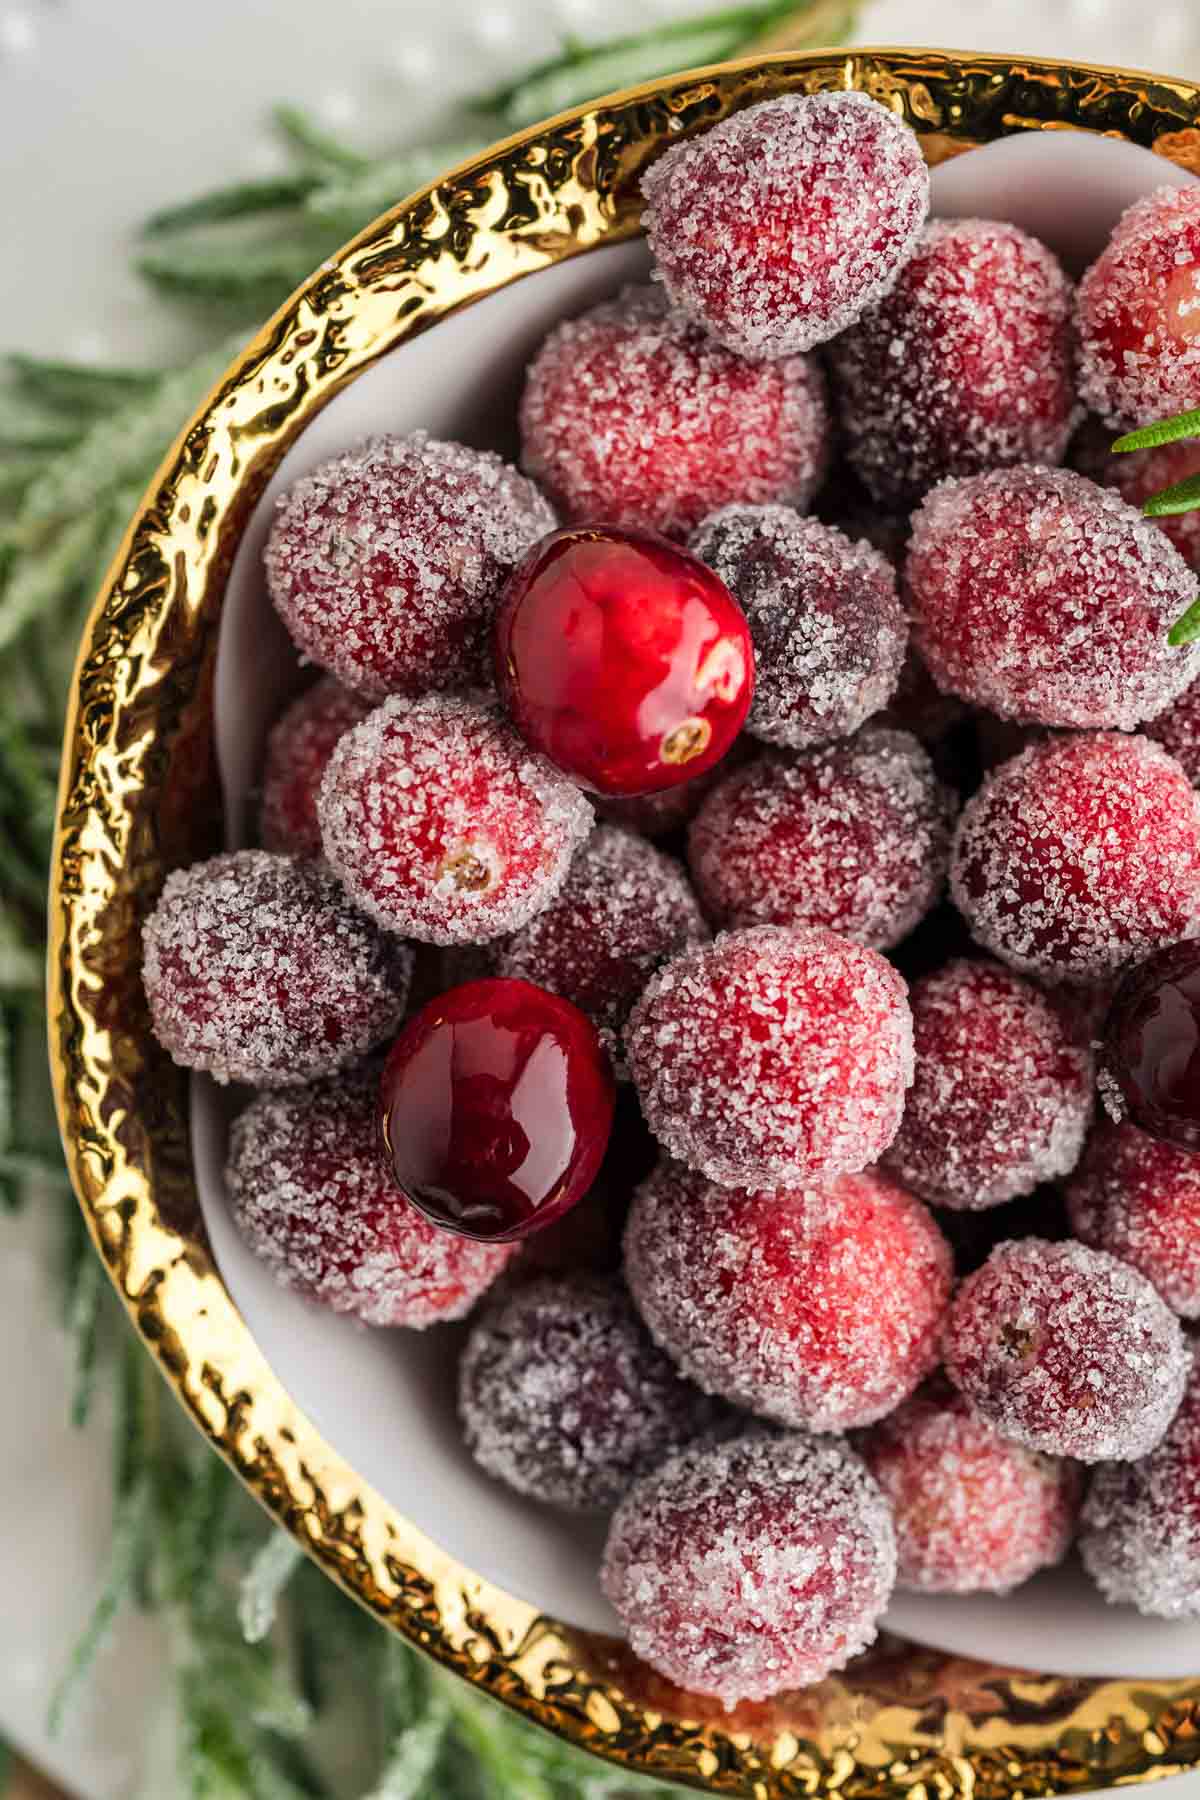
623,909
964,366
773,1055
1139,1199
811,1306
855,836
298,751
1138,314
1002,1094
632,415
313,1198
746,1568
386,563
443,824
1080,855
563,1395
1048,600
1178,729
1141,1522
1066,1350
777,227
973,1513
828,628
1138,474
257,969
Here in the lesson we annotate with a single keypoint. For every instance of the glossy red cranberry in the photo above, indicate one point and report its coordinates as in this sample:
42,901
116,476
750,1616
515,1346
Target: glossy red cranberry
497,1103
1152,1044
623,659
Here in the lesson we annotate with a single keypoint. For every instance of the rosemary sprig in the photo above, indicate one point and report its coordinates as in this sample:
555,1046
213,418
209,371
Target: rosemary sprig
1169,502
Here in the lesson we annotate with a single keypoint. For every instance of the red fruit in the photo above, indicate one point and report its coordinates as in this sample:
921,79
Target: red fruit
298,752
1178,730
855,837
496,1105
257,969
1048,600
918,704
827,626
777,227
964,366
773,1055
1139,474
386,563
1138,313
659,815
633,415
1150,1066
1002,1094
973,1513
1066,1350
1079,855
816,1307
623,659
443,825
1140,1200
563,1395
314,1199
746,1568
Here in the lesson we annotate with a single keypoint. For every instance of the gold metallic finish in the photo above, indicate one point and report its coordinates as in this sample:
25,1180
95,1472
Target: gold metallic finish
137,799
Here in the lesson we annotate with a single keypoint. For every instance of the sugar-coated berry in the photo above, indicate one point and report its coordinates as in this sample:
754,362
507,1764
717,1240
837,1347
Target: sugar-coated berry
1138,313
1079,855
563,1395
634,415
828,628
298,752
749,1567
1141,1521
1139,1199
588,1238
1048,600
1150,1060
1178,730
443,825
855,836
660,815
386,563
257,969
964,366
918,704
1002,1094
818,1307
974,1513
777,227
1137,475
1066,1350
314,1199
624,659
496,1104
774,1055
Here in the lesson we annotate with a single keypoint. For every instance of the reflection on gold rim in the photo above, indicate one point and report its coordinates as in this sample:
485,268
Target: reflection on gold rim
138,797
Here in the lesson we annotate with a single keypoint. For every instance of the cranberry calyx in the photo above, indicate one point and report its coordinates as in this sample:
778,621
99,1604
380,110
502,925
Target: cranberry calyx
1152,1045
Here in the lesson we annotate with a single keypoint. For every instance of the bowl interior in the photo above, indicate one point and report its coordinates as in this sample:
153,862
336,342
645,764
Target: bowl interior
384,1400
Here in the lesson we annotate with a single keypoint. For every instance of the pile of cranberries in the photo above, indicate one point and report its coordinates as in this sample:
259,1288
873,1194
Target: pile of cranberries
817,1014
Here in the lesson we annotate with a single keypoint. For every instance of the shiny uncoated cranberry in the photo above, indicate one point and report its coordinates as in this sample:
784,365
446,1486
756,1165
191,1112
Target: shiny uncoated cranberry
623,659
1152,1044
496,1104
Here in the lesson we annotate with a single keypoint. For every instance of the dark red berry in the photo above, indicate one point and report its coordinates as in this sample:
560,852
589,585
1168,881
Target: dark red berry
1150,1067
497,1103
623,659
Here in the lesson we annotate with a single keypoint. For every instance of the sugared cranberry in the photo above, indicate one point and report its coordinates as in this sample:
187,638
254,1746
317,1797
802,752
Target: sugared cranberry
777,227
1150,1065
855,836
1139,1199
587,1240
496,1103
746,1568
314,1199
563,1395
660,815
1002,1093
1138,313
825,620
623,659
633,414
443,825
1068,1351
1048,600
919,705
964,366
1080,854
775,1055
974,1513
1139,474
818,1307
1178,729
298,752
386,563
257,969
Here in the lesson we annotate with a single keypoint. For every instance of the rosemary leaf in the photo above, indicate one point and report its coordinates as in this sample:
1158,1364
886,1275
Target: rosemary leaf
410,1764
1183,497
78,389
246,199
231,276
130,1524
576,79
83,1322
37,582
1186,628
1163,431
314,142
264,1582
345,206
